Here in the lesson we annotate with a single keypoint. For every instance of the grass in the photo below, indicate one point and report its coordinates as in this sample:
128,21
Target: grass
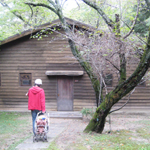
14,129
118,140
52,146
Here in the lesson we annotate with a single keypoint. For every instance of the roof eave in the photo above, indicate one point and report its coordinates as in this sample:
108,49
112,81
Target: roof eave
50,24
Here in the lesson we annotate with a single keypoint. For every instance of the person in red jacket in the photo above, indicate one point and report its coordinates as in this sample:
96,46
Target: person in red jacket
36,100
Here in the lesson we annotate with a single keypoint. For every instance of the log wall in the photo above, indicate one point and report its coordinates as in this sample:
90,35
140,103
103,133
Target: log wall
34,56
140,98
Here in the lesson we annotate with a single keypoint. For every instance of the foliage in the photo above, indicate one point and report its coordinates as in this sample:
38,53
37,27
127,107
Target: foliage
143,20
10,24
84,14
88,111
17,17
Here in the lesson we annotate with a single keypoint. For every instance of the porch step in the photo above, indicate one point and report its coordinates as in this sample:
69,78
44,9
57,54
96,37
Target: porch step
65,114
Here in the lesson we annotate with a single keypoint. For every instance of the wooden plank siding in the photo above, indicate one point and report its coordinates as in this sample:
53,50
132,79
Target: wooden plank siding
140,99
34,56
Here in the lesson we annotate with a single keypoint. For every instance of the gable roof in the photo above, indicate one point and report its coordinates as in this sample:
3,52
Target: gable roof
49,24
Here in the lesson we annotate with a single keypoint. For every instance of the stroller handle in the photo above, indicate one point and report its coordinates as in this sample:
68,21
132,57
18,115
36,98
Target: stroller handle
40,112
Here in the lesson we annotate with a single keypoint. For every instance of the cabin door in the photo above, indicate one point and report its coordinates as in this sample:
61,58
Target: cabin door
65,93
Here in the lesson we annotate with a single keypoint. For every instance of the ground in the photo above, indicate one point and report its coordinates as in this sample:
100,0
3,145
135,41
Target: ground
115,123
120,130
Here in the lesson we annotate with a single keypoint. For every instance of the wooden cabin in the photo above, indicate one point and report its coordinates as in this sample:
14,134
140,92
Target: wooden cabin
67,86
23,59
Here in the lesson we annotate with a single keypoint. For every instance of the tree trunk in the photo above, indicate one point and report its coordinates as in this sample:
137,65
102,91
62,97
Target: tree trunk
87,67
97,123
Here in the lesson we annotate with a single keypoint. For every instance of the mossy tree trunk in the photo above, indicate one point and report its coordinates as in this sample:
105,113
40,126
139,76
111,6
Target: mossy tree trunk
87,67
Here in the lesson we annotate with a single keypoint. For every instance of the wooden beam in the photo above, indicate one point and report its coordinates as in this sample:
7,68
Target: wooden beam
66,73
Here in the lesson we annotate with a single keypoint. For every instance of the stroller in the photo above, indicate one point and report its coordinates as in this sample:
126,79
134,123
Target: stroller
41,127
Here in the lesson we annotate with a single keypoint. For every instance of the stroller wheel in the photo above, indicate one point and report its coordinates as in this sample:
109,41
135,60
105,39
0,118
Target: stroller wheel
45,138
47,128
34,138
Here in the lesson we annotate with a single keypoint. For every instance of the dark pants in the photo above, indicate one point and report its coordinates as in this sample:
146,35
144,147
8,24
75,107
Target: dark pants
34,114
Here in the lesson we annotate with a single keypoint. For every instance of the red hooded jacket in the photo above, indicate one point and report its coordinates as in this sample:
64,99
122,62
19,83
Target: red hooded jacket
36,100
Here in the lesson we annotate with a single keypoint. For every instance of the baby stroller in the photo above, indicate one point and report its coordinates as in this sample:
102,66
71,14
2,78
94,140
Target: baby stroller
41,127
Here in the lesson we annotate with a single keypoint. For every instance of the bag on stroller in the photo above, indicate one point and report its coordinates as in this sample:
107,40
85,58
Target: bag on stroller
41,127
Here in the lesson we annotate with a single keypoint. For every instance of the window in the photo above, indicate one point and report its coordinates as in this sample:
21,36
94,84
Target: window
108,79
25,79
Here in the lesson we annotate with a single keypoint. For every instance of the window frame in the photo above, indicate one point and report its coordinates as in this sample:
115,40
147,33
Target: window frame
142,84
0,79
111,80
30,79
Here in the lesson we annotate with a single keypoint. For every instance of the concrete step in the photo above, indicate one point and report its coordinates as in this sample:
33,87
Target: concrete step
65,114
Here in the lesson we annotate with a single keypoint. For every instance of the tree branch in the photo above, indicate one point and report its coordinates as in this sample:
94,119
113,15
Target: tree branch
113,64
124,103
52,2
42,5
107,20
135,33
31,11
134,22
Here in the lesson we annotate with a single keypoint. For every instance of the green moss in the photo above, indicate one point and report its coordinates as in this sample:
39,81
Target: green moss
90,126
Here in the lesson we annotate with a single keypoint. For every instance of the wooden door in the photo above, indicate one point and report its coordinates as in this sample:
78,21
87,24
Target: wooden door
65,93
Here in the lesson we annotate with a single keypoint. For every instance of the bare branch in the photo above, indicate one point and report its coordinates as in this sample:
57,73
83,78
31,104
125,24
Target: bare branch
107,20
112,64
52,2
63,3
42,5
125,103
135,33
31,11
77,4
134,22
